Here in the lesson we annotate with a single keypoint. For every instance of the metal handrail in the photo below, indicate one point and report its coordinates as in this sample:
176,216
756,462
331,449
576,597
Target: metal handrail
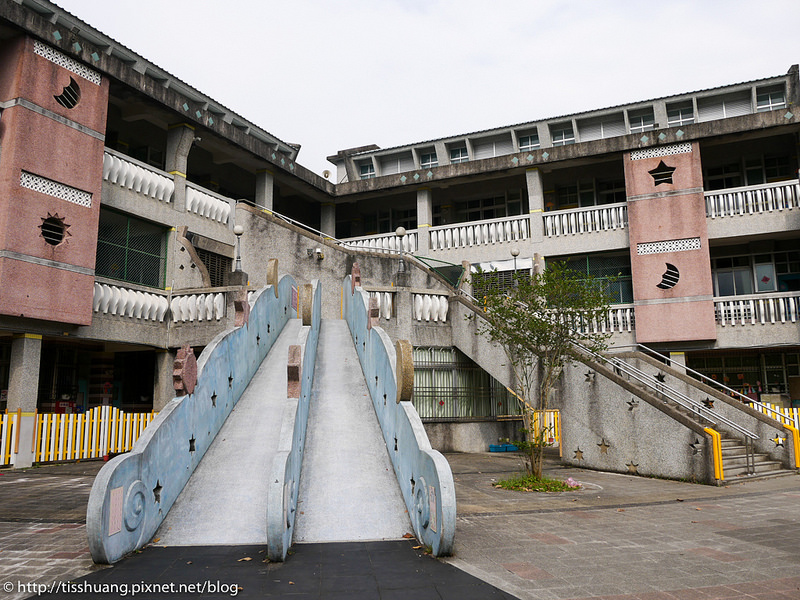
702,377
661,388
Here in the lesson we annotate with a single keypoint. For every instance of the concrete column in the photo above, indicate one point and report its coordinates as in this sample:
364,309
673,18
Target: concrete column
265,189
678,361
179,142
424,219
163,390
23,391
533,178
327,219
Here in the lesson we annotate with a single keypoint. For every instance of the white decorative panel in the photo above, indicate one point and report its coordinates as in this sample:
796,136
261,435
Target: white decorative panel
55,189
661,151
668,246
62,60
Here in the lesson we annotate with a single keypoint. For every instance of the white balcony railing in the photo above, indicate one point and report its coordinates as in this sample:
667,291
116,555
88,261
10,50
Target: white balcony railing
385,303
151,306
619,319
754,199
383,242
477,233
198,307
143,179
757,309
589,219
430,307
207,204
125,302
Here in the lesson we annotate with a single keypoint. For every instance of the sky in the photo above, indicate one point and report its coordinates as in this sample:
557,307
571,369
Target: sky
336,74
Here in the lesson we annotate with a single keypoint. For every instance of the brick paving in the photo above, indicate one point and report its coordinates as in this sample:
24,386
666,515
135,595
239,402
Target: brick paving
627,538
43,525
619,538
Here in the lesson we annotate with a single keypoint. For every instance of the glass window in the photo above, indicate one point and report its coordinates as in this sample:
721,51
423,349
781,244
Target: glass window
641,121
367,171
428,160
770,98
563,134
765,278
459,155
680,114
529,142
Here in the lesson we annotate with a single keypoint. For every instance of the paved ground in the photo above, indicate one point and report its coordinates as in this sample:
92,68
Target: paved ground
621,538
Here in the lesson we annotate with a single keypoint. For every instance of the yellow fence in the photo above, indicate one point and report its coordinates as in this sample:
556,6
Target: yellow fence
94,434
787,416
551,420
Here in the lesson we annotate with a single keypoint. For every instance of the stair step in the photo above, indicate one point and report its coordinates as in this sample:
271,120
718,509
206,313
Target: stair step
736,460
733,478
761,468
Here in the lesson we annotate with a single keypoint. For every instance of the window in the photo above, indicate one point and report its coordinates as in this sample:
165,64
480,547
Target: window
428,160
529,142
492,147
562,134
723,107
733,276
448,386
218,266
495,207
604,127
131,250
386,221
680,114
459,155
589,192
641,120
396,163
724,176
613,271
366,170
770,98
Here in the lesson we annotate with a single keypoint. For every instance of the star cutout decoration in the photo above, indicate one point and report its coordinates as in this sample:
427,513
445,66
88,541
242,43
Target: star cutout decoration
604,446
632,403
661,378
157,491
578,454
662,173
214,400
191,443
230,380
779,441
697,447
708,402
633,468
589,376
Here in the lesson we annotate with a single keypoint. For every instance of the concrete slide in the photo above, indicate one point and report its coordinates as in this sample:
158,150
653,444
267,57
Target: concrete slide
225,500
348,489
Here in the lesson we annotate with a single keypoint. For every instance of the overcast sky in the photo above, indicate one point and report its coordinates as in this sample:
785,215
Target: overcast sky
334,74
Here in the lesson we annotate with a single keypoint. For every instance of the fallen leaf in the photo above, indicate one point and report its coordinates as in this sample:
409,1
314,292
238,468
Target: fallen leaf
678,499
697,508
188,562
291,583
416,547
156,540
244,559
620,510
408,536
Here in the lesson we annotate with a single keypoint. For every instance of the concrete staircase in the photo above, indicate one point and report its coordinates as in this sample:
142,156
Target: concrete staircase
735,462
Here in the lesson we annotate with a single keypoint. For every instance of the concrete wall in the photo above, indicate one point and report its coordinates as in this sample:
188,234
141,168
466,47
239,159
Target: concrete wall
472,436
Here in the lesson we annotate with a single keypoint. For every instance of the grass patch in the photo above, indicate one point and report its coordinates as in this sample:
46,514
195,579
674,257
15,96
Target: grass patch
529,483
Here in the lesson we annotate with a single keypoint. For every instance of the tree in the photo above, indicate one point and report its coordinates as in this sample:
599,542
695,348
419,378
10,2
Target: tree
543,322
